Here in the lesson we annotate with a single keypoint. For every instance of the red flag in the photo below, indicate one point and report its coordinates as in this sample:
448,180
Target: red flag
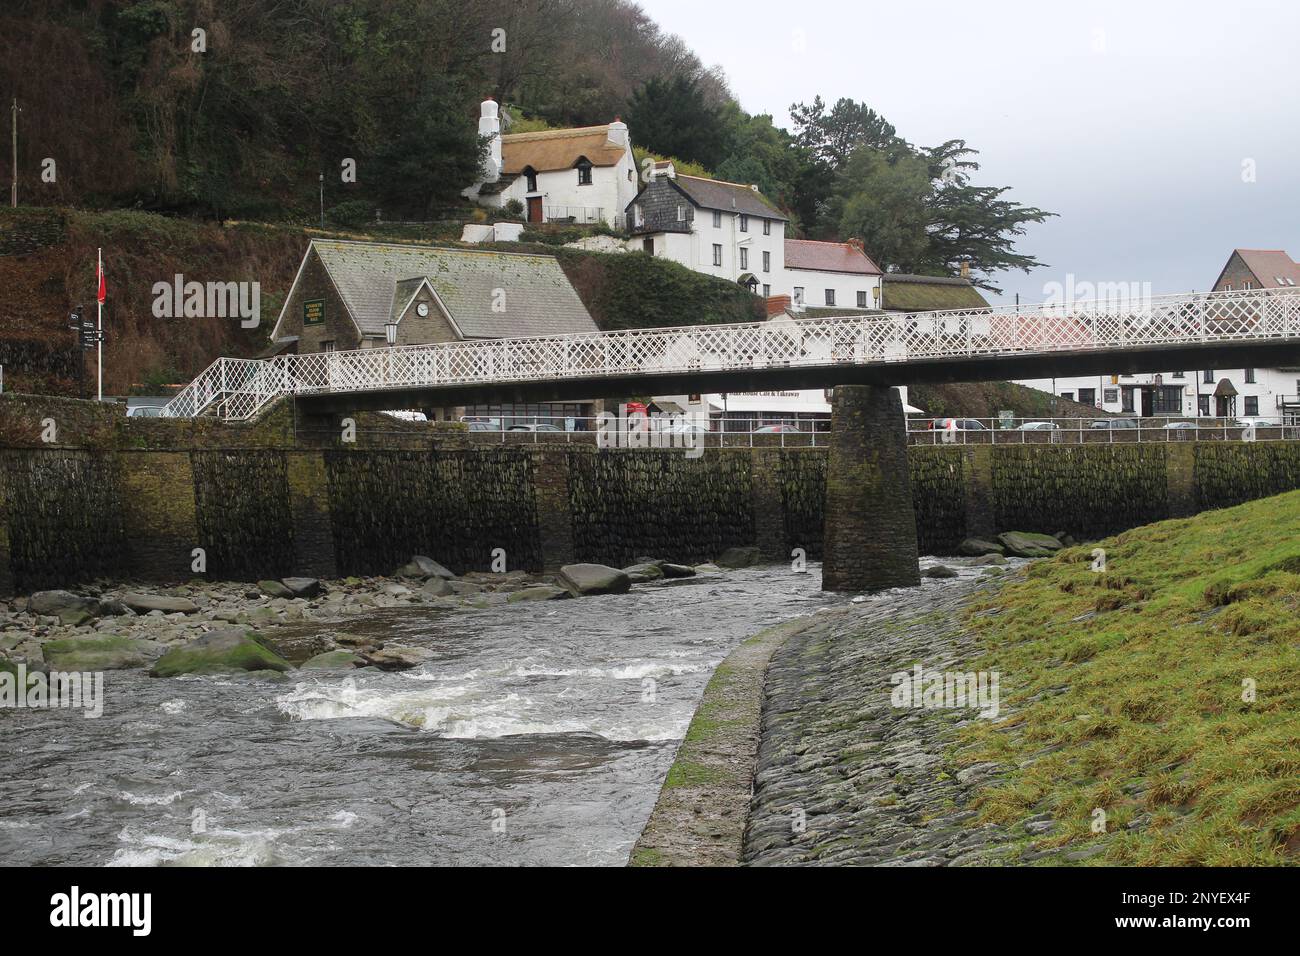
103,289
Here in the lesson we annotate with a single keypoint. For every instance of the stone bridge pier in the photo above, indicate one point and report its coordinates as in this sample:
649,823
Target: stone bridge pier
870,525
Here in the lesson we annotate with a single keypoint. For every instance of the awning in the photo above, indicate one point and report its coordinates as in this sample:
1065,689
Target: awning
1225,389
667,407
810,401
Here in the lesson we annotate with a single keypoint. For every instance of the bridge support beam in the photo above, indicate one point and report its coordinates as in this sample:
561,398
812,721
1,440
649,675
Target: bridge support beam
870,536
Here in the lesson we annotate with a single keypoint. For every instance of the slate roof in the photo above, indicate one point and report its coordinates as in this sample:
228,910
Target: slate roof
828,257
378,280
553,149
901,292
729,197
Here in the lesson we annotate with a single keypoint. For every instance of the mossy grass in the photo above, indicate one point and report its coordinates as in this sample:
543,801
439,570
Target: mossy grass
1128,692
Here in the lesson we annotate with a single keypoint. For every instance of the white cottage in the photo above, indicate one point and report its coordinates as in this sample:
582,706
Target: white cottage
585,174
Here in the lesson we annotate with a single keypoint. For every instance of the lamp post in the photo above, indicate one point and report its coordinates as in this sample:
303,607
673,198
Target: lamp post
322,200
390,332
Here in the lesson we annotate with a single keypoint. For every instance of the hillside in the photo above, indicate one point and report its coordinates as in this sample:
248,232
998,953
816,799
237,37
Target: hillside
47,266
986,399
1161,691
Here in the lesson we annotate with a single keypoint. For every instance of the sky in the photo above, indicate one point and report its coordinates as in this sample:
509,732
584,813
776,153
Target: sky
1163,134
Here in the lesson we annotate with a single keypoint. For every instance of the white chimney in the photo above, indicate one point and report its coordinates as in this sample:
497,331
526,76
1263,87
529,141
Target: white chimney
489,125
618,132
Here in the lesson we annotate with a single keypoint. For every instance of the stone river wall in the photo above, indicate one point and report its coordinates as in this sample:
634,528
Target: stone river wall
260,504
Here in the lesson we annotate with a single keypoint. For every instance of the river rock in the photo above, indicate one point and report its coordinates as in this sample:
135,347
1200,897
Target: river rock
275,589
55,603
302,587
642,573
423,567
229,649
1025,544
742,557
108,652
395,658
582,580
539,592
987,560
437,587
334,660
144,603
677,570
938,571
976,547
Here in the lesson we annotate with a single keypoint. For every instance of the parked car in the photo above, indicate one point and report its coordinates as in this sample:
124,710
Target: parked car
1181,426
778,429
144,411
1038,427
535,428
1257,422
406,416
483,427
1114,423
962,424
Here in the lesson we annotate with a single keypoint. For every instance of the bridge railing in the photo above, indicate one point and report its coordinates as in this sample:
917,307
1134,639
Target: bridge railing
1256,315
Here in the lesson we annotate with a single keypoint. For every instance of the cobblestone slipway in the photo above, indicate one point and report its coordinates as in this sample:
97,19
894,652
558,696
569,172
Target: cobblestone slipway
845,777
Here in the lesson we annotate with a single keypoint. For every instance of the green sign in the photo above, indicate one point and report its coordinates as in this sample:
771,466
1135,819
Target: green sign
313,312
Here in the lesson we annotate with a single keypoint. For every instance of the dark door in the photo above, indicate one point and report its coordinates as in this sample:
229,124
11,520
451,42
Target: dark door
1148,398
534,208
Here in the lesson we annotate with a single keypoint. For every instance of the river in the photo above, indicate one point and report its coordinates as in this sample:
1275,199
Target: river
540,733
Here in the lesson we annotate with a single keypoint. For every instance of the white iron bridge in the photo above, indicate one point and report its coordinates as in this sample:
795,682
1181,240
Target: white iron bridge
1193,331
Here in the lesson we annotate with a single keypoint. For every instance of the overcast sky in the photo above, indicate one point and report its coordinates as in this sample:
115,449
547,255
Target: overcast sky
1131,120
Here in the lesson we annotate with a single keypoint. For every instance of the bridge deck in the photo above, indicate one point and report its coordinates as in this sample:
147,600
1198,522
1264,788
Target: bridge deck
1227,329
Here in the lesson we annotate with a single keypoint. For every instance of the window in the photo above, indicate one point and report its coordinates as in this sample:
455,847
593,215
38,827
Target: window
631,176
648,245
717,254
797,298
327,345
584,172
1208,376
1068,396
1168,400
1203,405
1252,405
1248,284
1087,396
744,223
1250,376
681,213
638,215
1126,397
767,262
744,257
531,175
717,219
767,227
830,296
1110,395
1228,287
1178,374
862,299
767,290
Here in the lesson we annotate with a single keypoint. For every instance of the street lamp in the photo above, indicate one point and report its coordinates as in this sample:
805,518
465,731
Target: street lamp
390,332
322,200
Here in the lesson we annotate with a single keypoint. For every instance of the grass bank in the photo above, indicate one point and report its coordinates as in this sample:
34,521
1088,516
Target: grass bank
1159,698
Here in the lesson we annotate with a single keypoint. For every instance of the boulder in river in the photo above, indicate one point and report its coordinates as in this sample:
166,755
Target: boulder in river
302,587
394,658
938,571
582,580
643,573
1026,544
144,603
334,660
423,567
56,603
221,651
677,570
437,587
107,652
275,589
977,547
741,557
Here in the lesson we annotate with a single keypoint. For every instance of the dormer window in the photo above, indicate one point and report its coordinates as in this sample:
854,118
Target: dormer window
530,175
584,171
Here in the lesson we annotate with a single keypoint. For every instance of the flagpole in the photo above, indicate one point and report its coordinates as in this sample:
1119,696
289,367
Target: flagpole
99,328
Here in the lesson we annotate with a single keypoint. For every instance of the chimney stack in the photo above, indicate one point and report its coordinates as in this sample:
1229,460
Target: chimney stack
489,126
856,243
965,269
618,132
777,304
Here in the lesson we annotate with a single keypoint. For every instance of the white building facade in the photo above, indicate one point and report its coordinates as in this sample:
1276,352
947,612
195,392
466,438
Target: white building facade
830,275
583,175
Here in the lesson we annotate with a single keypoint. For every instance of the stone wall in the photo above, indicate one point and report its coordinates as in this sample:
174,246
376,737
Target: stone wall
133,510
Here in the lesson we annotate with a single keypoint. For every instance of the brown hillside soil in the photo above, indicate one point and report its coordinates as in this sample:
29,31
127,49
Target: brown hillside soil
42,287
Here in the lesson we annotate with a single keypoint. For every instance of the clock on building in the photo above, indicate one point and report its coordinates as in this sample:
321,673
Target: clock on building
422,309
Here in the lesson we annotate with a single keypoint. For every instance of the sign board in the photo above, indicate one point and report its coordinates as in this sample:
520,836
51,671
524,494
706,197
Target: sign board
313,312
1006,418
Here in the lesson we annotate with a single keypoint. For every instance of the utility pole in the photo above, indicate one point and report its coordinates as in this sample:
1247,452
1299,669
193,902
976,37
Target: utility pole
322,200
13,194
